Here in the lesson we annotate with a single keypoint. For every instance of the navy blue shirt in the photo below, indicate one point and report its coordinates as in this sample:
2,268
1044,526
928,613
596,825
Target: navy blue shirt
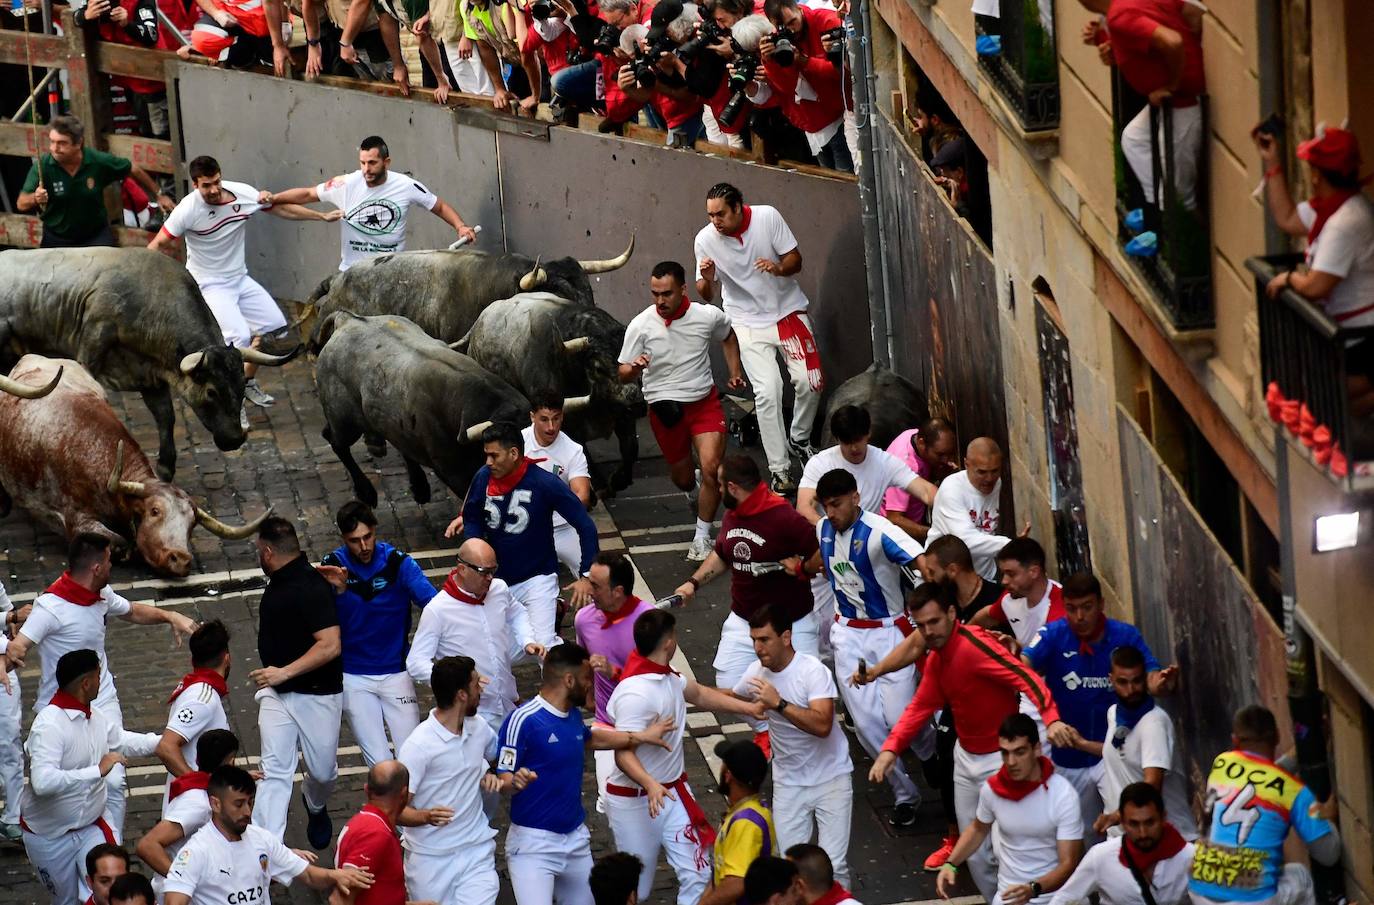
1081,683
552,744
374,609
519,524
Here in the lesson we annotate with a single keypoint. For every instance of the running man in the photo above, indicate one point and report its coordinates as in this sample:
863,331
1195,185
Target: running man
212,219
197,703
374,203
11,723
564,458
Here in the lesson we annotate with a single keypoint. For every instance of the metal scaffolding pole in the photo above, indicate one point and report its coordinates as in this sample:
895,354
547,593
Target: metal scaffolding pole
879,309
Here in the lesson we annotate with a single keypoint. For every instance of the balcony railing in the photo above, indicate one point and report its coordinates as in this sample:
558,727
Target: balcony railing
1311,367
1178,268
1017,54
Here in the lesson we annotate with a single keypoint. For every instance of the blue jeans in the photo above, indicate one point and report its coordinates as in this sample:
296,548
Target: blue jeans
683,135
835,155
576,84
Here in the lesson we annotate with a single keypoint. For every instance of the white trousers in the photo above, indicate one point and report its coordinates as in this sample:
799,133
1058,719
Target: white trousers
715,135
604,762
11,749
1135,147
639,834
546,867
539,597
471,75
59,862
1295,888
115,781
970,772
568,546
287,721
759,348
1085,781
823,613
376,705
827,808
464,876
243,309
876,707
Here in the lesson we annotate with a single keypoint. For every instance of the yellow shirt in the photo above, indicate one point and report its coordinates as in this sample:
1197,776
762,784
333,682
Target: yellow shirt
741,838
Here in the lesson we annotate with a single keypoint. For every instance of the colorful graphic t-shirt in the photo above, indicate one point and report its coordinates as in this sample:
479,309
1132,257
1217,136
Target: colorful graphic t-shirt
374,216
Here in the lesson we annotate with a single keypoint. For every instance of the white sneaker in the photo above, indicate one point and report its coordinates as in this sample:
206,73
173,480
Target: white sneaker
782,482
243,418
256,394
700,549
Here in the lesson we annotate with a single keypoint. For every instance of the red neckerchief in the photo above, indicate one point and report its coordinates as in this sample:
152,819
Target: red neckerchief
679,313
1016,789
452,589
373,809
71,591
637,665
201,676
68,702
760,499
1170,844
1324,208
612,618
502,486
743,225
834,895
1085,645
196,779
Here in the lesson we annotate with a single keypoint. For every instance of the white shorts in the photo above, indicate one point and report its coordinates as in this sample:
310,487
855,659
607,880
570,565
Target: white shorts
243,309
568,545
539,596
546,867
735,653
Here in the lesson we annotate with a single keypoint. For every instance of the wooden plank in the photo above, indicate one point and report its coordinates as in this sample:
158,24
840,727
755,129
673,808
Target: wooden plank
47,51
387,89
17,140
152,154
24,231
138,62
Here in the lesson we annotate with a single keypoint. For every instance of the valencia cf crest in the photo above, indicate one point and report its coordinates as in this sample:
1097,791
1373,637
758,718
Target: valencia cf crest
262,861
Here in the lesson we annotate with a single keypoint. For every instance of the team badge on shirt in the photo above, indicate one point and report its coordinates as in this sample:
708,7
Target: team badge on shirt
377,217
185,715
262,860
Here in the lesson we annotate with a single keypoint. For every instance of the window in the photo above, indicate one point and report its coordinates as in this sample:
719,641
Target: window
1017,54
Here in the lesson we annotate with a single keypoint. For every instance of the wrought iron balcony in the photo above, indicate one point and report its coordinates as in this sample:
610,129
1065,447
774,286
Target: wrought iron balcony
1017,54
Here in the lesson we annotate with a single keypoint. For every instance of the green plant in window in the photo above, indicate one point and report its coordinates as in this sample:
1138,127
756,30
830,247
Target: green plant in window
1039,63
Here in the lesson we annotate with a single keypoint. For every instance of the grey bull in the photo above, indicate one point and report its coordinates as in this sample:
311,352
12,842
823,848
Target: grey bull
537,341
137,321
893,402
385,377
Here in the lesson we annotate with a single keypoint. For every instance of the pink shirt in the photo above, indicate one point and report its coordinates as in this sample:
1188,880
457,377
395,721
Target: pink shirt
612,639
897,499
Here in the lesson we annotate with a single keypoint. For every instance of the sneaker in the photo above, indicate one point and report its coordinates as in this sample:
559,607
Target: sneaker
243,418
255,394
695,493
10,832
904,814
319,829
938,857
700,549
803,452
782,482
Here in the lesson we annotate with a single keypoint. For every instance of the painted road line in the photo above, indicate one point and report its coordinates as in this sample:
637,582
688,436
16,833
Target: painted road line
678,547
664,529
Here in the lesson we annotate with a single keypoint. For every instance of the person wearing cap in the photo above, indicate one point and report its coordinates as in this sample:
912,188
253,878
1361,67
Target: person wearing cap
951,170
71,748
747,832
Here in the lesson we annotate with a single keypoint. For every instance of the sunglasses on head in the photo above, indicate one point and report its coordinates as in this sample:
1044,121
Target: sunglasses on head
480,570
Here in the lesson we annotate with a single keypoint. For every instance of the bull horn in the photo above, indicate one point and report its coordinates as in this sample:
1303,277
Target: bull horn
116,484
229,532
576,404
474,433
573,346
612,264
459,345
27,390
534,279
191,362
258,357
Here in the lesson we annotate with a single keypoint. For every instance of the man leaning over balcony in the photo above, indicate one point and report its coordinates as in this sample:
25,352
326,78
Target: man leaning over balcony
1157,45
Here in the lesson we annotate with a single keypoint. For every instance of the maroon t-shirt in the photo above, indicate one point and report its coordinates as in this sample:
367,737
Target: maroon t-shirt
766,537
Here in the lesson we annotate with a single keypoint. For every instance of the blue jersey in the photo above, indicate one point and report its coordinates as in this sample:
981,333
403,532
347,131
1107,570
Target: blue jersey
374,609
552,744
864,565
519,524
1080,681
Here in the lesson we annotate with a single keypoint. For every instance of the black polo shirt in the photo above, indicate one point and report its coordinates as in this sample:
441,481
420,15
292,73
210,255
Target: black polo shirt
296,604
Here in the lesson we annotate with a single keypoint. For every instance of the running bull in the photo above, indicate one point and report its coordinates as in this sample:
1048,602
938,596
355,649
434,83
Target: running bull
68,460
137,321
894,403
444,291
538,341
385,377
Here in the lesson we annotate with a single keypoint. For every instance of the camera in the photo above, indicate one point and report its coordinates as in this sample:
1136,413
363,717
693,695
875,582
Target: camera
839,36
784,47
645,62
541,9
710,33
745,65
607,40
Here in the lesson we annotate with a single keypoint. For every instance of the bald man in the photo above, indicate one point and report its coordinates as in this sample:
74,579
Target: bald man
476,616
369,841
968,505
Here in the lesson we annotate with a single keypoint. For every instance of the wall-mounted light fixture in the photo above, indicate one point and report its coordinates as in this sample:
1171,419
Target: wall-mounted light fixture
1342,530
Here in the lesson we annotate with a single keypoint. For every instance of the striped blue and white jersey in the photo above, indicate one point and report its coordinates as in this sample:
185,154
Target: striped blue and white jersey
864,565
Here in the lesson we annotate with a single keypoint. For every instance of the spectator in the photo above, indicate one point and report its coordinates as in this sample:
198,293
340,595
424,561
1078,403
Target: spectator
67,188
615,879
550,38
746,830
663,93
932,120
1032,599
487,31
393,17
132,889
951,172
139,26
772,881
1158,48
969,506
105,864
368,841
242,33
818,883
929,451
809,84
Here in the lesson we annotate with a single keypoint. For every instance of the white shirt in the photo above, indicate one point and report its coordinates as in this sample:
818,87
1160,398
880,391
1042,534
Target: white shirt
679,353
493,634
864,565
565,459
972,517
214,232
878,471
1150,744
1345,249
58,627
190,810
191,714
213,870
1101,871
446,771
800,758
5,606
65,790
636,703
752,298
1028,830
374,217
1026,620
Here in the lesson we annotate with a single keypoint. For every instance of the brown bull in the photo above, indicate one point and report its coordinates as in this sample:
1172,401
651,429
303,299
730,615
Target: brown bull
69,461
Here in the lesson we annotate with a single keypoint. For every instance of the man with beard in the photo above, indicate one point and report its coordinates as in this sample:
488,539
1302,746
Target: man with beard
746,830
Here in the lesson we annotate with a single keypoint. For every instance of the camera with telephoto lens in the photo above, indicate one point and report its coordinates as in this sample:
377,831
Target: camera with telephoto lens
541,9
784,47
745,65
838,36
710,33
607,40
645,62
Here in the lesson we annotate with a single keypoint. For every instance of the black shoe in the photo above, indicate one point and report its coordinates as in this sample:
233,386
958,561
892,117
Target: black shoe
903,814
319,829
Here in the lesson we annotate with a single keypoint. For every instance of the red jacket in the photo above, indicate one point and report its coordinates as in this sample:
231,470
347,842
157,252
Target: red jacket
824,77
620,108
174,10
978,680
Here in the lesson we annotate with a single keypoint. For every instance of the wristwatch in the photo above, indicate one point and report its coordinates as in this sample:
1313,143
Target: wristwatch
1036,889
313,42
782,705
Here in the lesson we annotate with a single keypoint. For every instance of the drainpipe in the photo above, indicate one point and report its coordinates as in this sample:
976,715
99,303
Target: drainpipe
864,81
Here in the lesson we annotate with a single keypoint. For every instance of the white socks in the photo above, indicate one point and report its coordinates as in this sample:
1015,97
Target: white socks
703,530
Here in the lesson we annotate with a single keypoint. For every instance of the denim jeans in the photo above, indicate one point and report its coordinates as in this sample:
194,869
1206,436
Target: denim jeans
576,84
835,154
682,135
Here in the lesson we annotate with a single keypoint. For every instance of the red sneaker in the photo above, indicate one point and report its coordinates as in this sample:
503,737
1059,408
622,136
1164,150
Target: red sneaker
941,855
765,743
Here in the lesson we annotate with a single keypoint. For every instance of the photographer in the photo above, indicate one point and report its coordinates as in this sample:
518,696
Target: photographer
652,76
135,22
707,54
549,35
807,82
